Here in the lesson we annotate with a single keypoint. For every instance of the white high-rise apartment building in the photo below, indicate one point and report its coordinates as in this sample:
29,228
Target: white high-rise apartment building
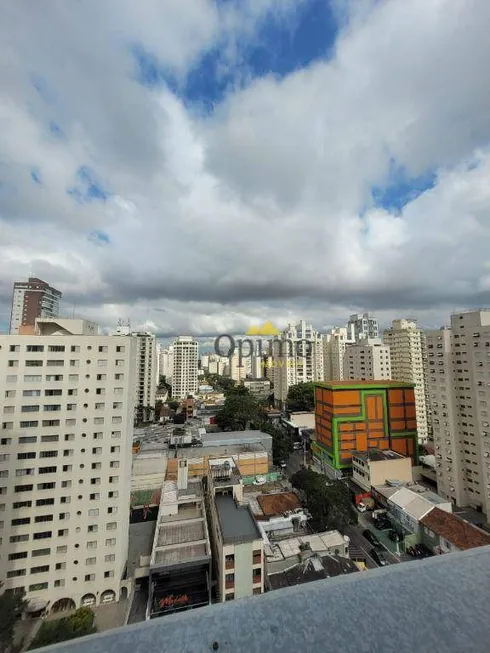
146,371
441,408
361,326
334,347
408,354
185,367
461,418
167,363
366,360
298,358
67,402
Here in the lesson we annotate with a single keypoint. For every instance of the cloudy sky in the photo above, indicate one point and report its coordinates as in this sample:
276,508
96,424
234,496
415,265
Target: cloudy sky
198,165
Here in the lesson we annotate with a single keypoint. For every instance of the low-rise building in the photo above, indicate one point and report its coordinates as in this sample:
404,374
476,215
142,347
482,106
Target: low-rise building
180,564
444,532
258,388
237,541
375,467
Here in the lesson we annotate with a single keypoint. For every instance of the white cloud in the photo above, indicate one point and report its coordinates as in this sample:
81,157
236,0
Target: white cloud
262,210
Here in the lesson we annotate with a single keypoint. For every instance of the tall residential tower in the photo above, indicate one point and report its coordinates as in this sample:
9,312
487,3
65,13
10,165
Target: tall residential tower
30,300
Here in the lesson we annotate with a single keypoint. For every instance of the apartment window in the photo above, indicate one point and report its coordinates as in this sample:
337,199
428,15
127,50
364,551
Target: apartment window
30,409
31,393
21,521
119,362
92,544
111,526
18,538
7,426
22,472
117,405
52,407
100,391
52,393
113,479
117,391
101,363
44,502
99,406
75,363
60,566
110,557
48,470
42,535
48,454
55,363
112,510
65,500
72,393
15,573
61,549
37,553
38,586
9,409
21,504
63,532
51,422
117,420
49,438
95,496
10,394
72,377
75,348
60,582
29,424
98,420
54,377
115,449
93,528
56,348
67,468
70,422
23,488
42,569
29,363
113,494
37,348
11,378
111,541
119,377
13,363
14,348
114,464
90,561
108,574
33,378
19,555
66,484
46,486
115,434
43,518
120,349
26,455
96,466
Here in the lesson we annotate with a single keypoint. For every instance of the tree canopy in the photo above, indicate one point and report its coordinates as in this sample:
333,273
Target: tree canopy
301,397
329,502
78,624
239,411
219,383
11,608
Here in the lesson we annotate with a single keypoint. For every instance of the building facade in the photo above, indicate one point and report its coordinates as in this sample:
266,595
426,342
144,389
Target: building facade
166,365
185,367
376,467
367,360
65,463
357,417
362,326
32,299
146,383
334,346
408,355
459,395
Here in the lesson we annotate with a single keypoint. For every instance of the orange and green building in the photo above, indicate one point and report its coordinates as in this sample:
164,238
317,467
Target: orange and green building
362,415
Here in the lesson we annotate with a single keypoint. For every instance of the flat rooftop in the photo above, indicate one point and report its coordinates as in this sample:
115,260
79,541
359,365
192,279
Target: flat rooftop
355,385
236,522
377,454
278,503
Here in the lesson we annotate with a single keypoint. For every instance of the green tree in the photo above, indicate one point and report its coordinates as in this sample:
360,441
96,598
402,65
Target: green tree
78,624
173,404
239,411
282,445
11,608
163,384
330,503
301,397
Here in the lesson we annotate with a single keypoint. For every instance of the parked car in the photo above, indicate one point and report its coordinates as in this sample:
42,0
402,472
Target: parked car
382,524
395,536
371,538
379,557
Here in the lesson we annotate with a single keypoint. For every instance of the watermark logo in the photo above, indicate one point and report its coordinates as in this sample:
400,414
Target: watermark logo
267,329
279,350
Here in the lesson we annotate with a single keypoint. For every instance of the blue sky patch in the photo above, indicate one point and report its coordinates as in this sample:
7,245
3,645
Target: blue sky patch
279,47
401,188
89,188
99,237
36,175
